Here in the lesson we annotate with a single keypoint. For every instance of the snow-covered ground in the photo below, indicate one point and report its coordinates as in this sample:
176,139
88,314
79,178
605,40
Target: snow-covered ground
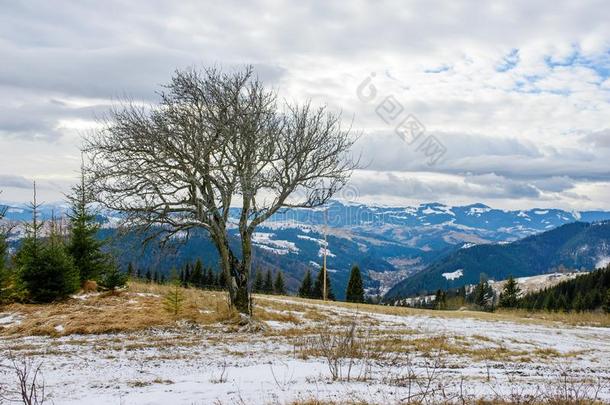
537,283
448,357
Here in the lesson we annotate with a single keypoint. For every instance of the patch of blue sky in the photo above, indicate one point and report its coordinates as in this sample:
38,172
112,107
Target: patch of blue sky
509,61
599,64
438,69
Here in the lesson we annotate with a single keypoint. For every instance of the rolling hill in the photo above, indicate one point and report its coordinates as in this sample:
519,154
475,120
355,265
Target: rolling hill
577,245
389,243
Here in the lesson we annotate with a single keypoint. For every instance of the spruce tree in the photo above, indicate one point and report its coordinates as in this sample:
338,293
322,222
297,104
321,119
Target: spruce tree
84,247
509,297
197,274
174,298
606,305
440,300
318,287
210,279
355,290
130,270
278,285
113,278
222,280
305,290
484,295
46,269
259,282
148,276
268,284
187,275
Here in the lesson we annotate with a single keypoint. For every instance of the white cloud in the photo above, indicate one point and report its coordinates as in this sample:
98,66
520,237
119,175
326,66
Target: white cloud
517,91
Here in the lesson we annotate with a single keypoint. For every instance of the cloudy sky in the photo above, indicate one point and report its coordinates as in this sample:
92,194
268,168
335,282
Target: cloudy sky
513,97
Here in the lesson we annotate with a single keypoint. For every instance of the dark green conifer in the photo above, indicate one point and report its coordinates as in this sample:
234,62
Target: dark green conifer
355,290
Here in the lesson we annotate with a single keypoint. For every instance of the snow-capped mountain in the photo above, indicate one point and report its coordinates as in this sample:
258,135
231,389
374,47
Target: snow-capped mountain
388,243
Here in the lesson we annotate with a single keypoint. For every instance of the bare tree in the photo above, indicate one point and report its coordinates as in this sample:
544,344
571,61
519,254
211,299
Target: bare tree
216,141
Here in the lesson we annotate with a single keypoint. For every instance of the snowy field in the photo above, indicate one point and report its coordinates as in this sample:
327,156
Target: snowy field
309,351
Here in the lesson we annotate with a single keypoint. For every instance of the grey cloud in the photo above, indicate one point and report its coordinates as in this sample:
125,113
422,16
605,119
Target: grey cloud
489,186
15,181
598,139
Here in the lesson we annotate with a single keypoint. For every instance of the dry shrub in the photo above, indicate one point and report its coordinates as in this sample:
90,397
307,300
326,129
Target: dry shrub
89,286
30,389
345,351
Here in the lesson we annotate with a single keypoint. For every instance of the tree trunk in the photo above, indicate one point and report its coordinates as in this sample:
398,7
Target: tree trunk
241,300
236,271
242,295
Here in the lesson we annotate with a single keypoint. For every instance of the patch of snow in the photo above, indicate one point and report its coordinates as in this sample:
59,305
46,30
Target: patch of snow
9,319
328,252
84,297
454,275
602,262
540,212
282,247
309,238
477,211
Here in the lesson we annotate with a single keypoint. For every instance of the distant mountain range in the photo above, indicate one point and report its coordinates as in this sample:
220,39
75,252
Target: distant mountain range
388,243
577,245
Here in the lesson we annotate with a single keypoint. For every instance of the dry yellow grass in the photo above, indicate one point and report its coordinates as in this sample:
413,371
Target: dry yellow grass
137,308
542,317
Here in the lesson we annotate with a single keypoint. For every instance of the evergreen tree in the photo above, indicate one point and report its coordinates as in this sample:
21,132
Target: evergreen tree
148,276
187,275
509,297
305,290
222,280
355,290
268,284
318,287
84,247
259,282
113,278
130,270
138,274
606,306
197,274
278,285
440,300
46,270
578,304
484,295
562,303
549,302
174,298
210,278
